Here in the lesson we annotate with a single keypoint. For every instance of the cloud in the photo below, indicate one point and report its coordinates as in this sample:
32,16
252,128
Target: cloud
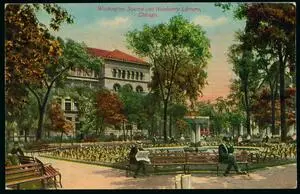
116,22
208,21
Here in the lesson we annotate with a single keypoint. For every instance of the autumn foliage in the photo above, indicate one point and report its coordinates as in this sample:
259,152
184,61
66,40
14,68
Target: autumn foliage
110,107
262,108
28,47
58,121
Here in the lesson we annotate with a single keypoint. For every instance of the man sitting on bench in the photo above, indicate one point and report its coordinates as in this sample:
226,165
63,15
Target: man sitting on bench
226,156
139,157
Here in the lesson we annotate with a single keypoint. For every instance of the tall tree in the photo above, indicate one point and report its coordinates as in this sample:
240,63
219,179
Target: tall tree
245,67
73,55
171,47
28,48
273,25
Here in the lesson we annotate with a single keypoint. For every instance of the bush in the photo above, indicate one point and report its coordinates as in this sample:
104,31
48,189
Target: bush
12,160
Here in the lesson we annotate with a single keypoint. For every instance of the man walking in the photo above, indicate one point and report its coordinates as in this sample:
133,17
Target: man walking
226,156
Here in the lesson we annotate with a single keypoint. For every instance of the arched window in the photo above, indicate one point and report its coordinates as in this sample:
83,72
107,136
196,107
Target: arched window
141,75
137,75
132,75
119,73
123,74
128,74
139,89
128,86
114,73
116,87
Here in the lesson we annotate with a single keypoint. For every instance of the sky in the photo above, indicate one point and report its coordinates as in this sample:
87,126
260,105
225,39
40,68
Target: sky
103,26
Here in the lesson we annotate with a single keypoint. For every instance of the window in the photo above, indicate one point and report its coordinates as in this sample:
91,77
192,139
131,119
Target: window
119,73
77,119
123,74
117,127
21,133
114,73
116,87
77,126
139,89
137,75
128,74
68,105
132,75
141,76
69,118
128,87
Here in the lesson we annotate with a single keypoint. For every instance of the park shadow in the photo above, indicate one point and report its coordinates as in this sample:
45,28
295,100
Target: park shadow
147,182
110,173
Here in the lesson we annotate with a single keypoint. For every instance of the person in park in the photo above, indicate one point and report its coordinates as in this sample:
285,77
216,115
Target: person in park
226,156
133,160
17,150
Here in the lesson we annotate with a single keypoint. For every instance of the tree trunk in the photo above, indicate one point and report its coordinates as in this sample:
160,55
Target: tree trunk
282,98
165,120
273,129
61,138
124,135
170,126
40,123
248,127
26,134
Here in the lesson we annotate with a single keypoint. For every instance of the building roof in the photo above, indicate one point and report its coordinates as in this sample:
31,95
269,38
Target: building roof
115,55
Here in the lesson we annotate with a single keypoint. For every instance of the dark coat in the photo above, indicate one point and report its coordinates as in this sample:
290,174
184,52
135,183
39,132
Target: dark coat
132,159
224,151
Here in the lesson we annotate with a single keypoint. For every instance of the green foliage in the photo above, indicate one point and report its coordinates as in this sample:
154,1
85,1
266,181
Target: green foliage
178,51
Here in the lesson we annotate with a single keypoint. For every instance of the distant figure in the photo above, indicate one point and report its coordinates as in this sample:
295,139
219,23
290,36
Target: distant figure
182,138
239,140
294,137
17,150
154,139
267,139
248,137
226,156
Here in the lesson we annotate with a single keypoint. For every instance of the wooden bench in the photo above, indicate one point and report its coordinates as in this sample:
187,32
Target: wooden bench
40,148
26,159
19,174
187,159
202,158
46,169
168,159
52,173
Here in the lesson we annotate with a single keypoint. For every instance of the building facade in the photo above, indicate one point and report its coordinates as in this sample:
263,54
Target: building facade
118,69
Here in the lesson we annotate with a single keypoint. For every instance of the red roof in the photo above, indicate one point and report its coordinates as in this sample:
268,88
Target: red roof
115,55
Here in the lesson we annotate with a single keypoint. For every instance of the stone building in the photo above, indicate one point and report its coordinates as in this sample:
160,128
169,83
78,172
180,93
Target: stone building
118,69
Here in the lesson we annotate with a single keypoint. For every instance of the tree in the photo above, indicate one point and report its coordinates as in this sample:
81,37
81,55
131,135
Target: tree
171,48
273,26
262,106
133,105
73,55
177,113
28,48
58,121
110,108
245,67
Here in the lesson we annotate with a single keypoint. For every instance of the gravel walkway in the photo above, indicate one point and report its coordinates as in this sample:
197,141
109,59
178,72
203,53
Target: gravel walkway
85,176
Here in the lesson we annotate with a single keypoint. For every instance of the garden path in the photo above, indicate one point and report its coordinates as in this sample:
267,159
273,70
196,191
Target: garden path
86,176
